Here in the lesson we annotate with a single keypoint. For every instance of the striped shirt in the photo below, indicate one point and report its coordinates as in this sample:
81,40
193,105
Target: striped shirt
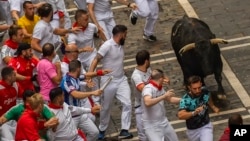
68,85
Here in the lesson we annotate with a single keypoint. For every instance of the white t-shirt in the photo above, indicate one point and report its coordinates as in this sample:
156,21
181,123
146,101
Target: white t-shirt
83,39
6,51
113,55
156,112
17,5
66,129
102,9
138,77
44,32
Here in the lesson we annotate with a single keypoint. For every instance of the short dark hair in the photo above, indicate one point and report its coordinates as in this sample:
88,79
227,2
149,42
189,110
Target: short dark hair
6,71
44,10
26,2
74,65
79,13
55,92
157,74
48,49
13,30
193,79
27,93
119,29
142,56
235,119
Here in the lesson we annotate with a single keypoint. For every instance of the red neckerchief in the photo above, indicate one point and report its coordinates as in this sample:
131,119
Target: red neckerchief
65,59
53,106
11,44
159,87
76,25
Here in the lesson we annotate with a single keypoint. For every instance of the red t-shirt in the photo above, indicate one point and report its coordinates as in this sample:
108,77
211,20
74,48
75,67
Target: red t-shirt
24,67
27,126
8,96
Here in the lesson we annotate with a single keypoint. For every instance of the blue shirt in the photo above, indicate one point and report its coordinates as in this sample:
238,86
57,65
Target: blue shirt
69,84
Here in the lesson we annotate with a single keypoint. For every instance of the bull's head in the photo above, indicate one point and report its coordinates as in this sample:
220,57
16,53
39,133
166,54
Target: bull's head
192,45
204,53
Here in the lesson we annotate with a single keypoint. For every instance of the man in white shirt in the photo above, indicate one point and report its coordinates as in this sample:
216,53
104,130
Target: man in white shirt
45,33
155,122
139,79
111,53
84,40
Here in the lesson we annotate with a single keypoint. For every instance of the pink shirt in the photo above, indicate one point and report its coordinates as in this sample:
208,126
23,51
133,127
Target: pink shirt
45,72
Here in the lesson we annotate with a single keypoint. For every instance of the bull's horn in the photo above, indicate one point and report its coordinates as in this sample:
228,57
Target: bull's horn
218,40
186,48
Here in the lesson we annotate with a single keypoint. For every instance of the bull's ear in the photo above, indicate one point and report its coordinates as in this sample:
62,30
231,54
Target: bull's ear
186,48
218,40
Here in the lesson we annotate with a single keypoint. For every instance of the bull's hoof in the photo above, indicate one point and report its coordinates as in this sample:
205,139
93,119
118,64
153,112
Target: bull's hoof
221,96
215,109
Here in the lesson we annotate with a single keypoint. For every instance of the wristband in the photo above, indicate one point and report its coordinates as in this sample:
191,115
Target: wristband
128,4
99,72
60,14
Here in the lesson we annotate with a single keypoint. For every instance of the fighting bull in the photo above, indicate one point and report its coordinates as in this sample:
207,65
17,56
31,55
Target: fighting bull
197,50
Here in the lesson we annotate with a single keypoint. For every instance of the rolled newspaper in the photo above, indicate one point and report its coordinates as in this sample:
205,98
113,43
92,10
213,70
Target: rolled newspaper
106,83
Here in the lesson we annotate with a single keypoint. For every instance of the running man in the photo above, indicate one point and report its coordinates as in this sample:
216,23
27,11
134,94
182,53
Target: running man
148,9
139,79
112,54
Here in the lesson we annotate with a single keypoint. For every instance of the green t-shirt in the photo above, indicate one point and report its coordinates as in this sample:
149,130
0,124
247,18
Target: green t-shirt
15,112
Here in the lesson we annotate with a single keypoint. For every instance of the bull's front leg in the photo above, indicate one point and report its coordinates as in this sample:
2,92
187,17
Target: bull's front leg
220,92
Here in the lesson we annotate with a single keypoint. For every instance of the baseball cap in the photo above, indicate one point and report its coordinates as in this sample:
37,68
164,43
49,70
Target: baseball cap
21,47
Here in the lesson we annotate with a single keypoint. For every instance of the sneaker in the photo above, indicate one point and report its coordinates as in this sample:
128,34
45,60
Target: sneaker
132,18
101,135
124,134
150,38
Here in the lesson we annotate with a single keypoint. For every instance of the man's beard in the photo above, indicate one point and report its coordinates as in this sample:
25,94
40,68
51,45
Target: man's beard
51,18
122,41
27,57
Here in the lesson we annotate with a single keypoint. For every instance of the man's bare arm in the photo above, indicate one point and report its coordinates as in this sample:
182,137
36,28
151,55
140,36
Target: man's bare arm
94,63
35,44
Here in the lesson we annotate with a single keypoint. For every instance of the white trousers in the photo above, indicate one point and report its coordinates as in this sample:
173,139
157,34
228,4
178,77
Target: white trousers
107,25
160,130
8,131
86,64
81,4
86,104
5,12
117,88
204,133
88,126
140,130
148,9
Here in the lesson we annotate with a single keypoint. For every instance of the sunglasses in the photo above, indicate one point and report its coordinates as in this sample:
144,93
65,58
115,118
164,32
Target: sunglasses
76,51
